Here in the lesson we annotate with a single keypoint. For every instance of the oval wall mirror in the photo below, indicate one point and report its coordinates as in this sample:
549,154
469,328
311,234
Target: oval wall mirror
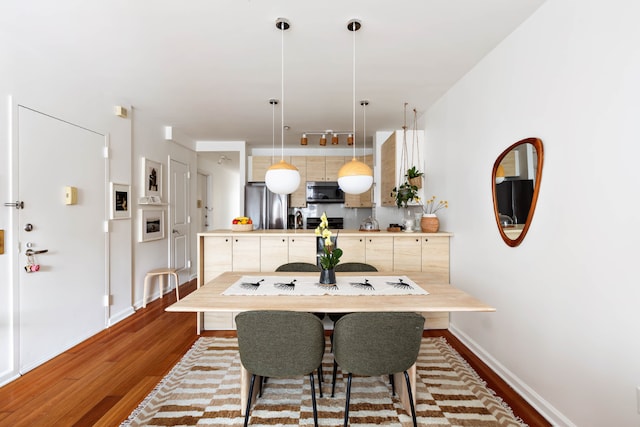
516,182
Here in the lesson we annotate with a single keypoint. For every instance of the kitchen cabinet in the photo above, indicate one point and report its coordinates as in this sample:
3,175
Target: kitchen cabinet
379,251
265,251
246,253
302,248
218,250
259,166
353,248
316,168
332,166
407,253
298,198
364,200
278,250
274,251
435,257
323,168
388,175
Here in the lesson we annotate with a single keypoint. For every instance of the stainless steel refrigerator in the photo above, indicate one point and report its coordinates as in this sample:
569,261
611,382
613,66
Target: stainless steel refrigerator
266,209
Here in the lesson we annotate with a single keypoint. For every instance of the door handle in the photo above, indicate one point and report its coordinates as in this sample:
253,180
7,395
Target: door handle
31,252
18,205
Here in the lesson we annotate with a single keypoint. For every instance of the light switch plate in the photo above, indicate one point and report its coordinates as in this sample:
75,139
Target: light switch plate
70,195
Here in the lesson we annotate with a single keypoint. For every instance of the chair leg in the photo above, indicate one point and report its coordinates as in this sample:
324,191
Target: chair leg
346,406
413,409
320,375
246,414
313,400
333,379
393,385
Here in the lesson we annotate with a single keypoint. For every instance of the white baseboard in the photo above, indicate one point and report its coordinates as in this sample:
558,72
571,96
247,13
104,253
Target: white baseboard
543,407
7,377
118,317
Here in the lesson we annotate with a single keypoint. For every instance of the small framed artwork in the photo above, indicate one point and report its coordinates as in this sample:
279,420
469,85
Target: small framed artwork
120,201
151,224
151,178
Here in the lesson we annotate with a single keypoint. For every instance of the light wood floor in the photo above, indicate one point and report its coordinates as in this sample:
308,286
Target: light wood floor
100,381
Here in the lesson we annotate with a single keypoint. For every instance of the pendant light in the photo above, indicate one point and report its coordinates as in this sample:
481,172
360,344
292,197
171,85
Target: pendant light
282,177
354,177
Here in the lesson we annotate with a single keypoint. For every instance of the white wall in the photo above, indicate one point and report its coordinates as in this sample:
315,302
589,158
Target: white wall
225,192
53,89
149,141
566,326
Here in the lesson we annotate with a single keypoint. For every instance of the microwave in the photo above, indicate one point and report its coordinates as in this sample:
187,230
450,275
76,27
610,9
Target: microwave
324,192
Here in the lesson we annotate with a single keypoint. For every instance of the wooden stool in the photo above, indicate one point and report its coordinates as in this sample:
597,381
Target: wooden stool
162,272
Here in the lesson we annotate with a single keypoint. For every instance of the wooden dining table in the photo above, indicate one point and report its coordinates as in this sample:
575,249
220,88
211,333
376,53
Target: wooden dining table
440,297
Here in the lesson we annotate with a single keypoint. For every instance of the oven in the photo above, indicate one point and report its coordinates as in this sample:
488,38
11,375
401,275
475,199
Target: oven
335,223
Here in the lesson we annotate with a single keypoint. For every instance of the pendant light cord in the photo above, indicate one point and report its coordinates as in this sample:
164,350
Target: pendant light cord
354,90
415,154
282,93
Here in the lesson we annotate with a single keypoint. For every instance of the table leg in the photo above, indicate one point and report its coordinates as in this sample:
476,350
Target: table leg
401,387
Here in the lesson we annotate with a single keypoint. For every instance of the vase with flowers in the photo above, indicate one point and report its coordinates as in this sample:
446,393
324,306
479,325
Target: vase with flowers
330,256
429,223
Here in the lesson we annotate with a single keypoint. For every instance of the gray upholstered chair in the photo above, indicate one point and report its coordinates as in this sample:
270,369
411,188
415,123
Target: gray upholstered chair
355,266
298,266
376,343
280,344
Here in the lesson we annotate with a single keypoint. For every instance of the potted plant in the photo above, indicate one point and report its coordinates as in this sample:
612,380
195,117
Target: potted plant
404,194
331,254
414,176
430,222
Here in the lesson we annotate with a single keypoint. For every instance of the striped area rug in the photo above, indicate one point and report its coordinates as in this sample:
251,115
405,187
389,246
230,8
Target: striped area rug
203,390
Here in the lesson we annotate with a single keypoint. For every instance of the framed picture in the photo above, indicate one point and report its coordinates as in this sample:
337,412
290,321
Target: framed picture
151,224
120,201
151,178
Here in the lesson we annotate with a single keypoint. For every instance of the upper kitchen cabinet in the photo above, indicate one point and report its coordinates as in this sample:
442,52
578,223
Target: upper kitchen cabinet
324,168
299,197
260,164
397,154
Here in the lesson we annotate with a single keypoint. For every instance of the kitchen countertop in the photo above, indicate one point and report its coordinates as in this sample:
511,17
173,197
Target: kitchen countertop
294,232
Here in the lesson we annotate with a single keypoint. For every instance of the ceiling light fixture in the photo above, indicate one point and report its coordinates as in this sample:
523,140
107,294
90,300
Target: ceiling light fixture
282,177
354,177
334,134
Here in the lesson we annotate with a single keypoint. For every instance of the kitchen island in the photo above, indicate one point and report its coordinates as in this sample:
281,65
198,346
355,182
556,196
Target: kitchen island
264,250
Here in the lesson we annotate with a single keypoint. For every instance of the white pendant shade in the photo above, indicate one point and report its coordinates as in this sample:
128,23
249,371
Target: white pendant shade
282,178
355,177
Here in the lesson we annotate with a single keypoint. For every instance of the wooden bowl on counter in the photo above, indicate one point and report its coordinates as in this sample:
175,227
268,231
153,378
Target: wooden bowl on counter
241,227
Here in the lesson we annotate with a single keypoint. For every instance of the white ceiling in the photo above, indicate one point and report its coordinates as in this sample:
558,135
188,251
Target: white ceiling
209,67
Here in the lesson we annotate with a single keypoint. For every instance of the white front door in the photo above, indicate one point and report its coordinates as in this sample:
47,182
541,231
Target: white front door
61,303
178,215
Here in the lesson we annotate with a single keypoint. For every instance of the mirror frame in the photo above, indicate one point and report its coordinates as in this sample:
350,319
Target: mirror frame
537,144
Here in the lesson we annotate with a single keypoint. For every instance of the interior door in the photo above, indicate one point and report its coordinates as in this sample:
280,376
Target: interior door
61,304
203,198
179,214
